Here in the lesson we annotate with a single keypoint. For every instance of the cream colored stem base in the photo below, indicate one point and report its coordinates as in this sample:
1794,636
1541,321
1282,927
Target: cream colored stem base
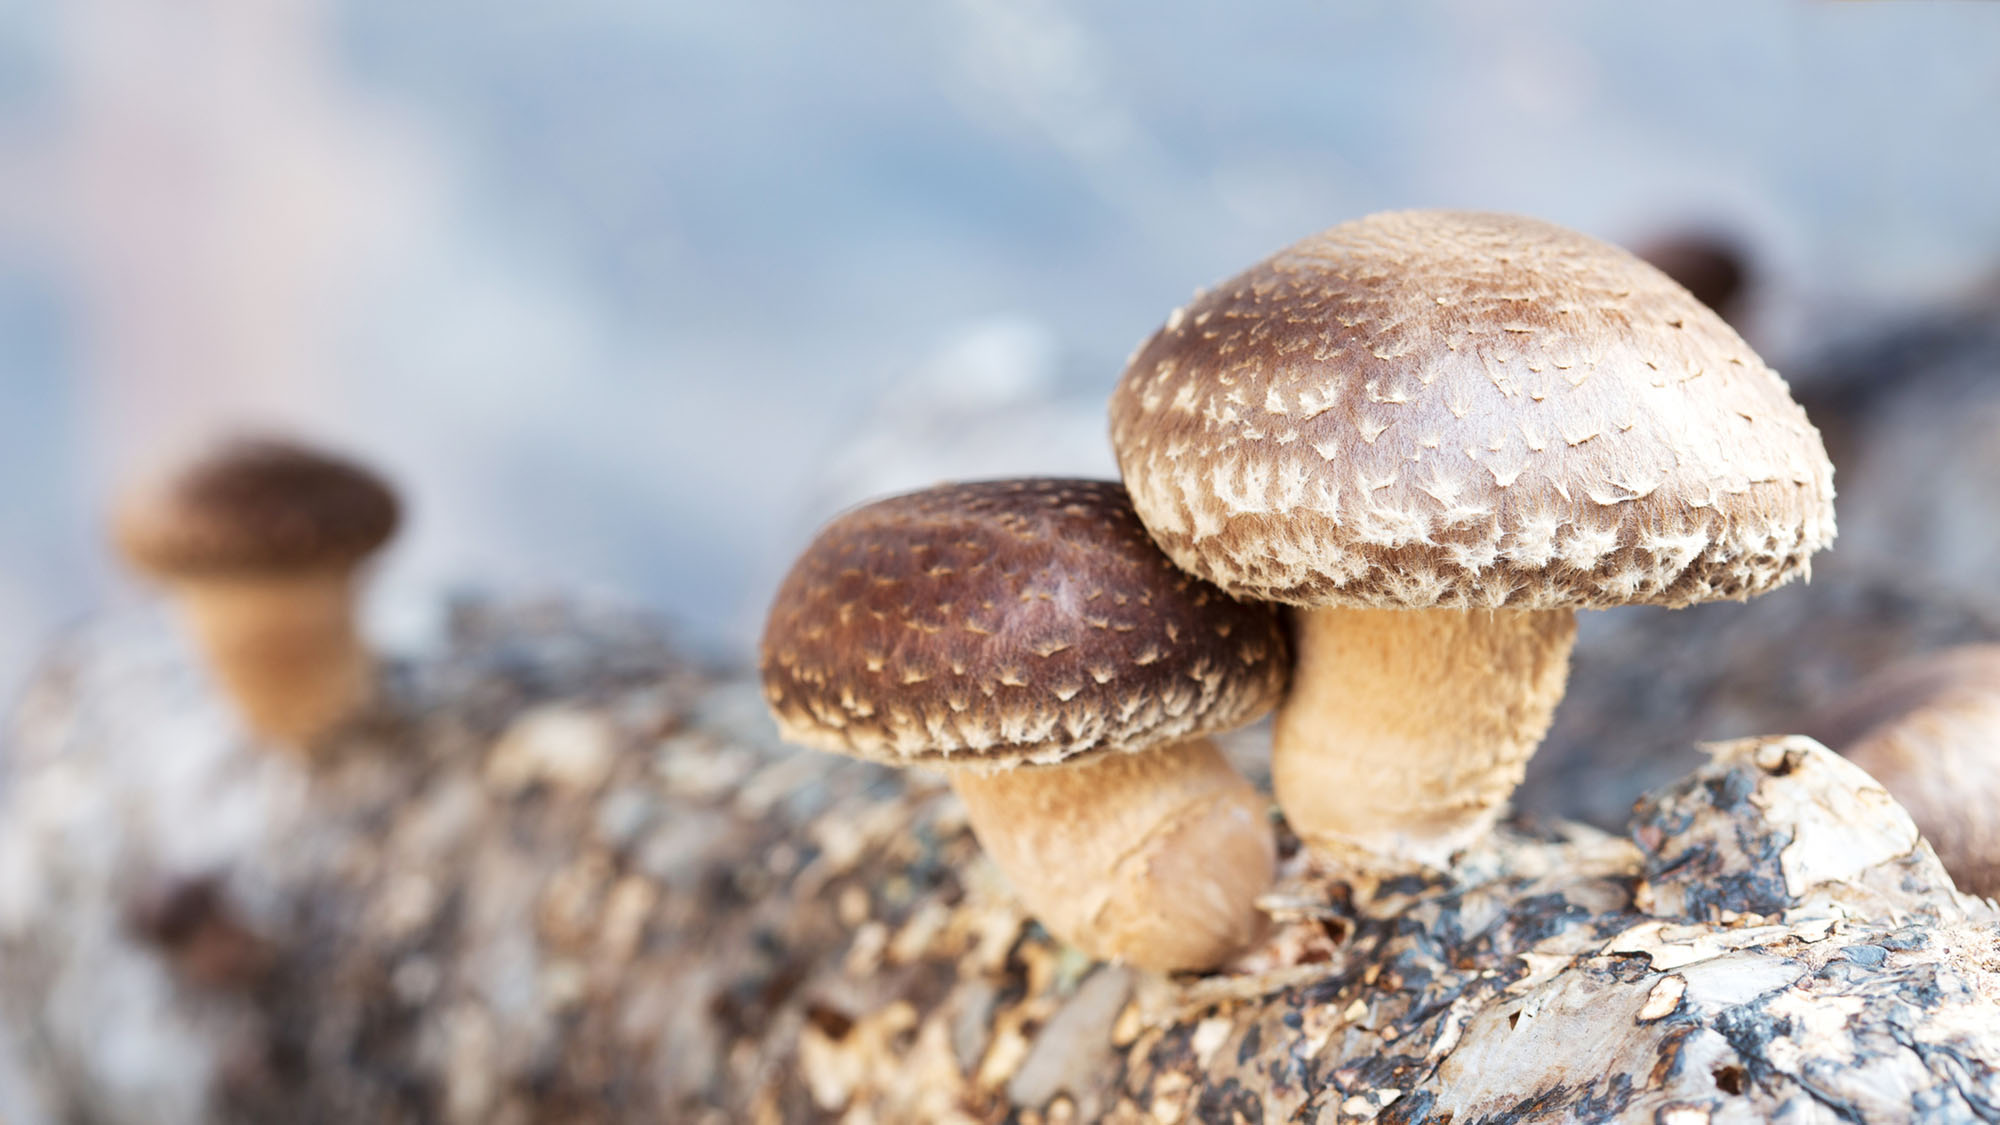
1407,730
1155,858
284,649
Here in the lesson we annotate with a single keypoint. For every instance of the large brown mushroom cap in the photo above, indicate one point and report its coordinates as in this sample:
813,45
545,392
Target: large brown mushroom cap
1006,622
257,507
1429,408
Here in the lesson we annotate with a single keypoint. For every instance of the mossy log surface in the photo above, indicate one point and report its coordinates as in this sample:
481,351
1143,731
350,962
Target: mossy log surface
561,875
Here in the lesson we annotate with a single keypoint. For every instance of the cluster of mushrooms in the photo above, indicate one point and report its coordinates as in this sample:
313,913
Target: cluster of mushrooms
1367,483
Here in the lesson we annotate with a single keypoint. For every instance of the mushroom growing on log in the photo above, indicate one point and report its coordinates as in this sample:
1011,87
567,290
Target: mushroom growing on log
1028,637
1437,435
259,542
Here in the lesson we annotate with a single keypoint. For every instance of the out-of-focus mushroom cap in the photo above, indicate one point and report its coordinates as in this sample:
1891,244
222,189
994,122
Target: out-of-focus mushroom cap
1964,673
257,507
1429,408
1709,265
1928,729
1006,622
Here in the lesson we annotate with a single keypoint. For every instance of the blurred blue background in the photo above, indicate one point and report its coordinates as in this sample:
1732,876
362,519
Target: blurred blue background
630,294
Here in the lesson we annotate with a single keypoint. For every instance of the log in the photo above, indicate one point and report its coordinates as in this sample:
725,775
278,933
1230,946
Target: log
562,873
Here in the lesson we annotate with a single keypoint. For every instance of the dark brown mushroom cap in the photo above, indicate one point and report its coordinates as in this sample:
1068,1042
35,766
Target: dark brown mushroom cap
1430,408
257,507
1005,622
1709,265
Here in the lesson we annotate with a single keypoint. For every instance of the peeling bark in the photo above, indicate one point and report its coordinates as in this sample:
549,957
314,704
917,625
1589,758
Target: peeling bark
563,876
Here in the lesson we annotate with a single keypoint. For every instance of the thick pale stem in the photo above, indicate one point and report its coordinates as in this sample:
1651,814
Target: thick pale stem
284,648
1155,858
1407,730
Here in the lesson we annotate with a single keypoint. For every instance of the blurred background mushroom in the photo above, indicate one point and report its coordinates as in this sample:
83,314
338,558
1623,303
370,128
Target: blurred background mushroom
1928,728
1708,264
259,541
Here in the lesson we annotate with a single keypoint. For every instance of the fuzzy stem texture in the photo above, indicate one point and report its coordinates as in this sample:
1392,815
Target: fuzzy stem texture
1406,730
1154,857
284,648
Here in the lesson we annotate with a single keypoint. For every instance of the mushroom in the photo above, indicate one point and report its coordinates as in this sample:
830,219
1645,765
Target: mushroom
1029,638
1710,265
1438,434
260,541
1929,730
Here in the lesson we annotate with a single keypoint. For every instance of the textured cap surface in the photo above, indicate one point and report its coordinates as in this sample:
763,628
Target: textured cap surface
1428,408
257,507
1007,622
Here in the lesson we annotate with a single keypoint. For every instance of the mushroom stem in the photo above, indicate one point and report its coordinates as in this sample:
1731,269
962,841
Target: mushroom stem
1153,858
284,648
1406,730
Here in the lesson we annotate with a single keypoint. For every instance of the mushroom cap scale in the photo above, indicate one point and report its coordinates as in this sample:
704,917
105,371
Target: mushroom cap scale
1467,410
257,507
1008,622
